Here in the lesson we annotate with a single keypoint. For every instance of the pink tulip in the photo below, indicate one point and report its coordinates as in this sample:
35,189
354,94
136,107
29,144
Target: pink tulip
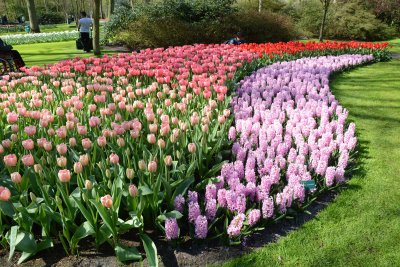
64,176
78,168
168,160
28,160
62,132
6,143
14,128
5,193
106,201
133,191
151,138
101,141
72,142
114,159
62,149
86,143
16,177
152,166
84,160
47,146
1,149
28,144
192,148
30,130
10,160
82,130
12,117
62,162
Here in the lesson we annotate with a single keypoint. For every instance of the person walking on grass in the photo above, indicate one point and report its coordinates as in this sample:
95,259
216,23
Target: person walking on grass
84,26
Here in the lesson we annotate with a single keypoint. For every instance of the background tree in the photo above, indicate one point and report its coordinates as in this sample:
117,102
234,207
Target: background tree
325,5
96,35
33,21
111,7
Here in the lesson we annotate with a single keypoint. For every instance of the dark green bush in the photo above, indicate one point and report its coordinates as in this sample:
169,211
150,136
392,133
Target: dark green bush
169,31
51,18
352,22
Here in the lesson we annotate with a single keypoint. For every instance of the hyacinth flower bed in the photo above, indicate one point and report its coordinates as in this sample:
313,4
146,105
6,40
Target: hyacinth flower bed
45,37
95,148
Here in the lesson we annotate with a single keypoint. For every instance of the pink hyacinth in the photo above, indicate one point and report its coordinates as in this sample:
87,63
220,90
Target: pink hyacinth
254,216
236,225
171,229
201,227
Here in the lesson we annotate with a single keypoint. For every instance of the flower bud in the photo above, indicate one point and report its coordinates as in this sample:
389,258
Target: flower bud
192,148
130,173
133,191
78,168
16,177
88,185
121,142
142,165
152,166
161,143
108,173
168,160
62,162
37,168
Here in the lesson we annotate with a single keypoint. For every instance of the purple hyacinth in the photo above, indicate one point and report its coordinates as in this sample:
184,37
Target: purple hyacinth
254,216
236,225
171,229
194,211
179,202
201,227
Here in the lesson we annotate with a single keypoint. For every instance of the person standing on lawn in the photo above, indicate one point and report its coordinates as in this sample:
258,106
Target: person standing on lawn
84,26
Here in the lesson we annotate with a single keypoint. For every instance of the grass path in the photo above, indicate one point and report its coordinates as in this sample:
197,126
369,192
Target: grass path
362,226
47,53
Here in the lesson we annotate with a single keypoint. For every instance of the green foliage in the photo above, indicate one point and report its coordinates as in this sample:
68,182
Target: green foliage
169,31
120,20
353,22
51,18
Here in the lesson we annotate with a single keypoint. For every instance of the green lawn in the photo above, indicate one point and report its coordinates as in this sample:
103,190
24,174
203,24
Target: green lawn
362,226
396,45
46,53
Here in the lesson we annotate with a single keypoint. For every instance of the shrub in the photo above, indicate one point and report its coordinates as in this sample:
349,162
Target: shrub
51,18
170,31
352,22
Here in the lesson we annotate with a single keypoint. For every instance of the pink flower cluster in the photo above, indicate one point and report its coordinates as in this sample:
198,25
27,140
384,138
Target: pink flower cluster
289,128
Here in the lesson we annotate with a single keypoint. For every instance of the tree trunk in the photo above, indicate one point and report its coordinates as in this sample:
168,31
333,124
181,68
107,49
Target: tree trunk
111,7
260,5
96,35
33,21
325,12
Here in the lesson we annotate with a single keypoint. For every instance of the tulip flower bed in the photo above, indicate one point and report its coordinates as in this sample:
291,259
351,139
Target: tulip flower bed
97,147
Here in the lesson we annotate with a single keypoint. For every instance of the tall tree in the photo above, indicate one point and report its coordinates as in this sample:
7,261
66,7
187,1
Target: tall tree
96,35
111,4
325,5
33,21
260,5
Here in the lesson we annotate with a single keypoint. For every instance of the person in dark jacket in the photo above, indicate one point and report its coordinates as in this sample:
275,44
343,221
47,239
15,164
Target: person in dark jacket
237,40
14,58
